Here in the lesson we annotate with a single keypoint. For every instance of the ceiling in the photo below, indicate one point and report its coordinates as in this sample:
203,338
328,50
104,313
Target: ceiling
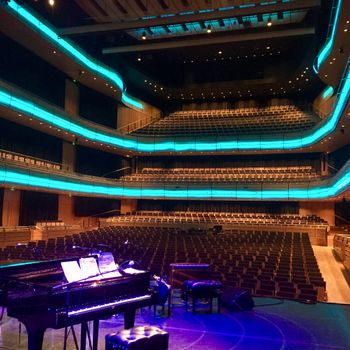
166,55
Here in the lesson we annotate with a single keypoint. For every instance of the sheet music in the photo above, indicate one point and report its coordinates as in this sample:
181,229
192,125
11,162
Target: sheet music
72,271
107,266
88,270
89,267
132,271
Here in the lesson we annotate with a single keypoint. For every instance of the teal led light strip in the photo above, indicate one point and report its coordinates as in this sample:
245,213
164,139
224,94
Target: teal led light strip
328,92
134,144
11,177
327,48
77,54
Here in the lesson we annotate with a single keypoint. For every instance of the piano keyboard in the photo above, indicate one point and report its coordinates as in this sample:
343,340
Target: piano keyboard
100,307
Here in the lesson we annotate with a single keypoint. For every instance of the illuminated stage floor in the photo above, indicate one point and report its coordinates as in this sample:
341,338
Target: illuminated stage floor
272,324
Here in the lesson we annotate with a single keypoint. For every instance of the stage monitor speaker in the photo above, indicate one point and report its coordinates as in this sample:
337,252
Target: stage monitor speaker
237,299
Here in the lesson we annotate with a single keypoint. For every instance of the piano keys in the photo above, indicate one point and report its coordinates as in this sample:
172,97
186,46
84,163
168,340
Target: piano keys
37,294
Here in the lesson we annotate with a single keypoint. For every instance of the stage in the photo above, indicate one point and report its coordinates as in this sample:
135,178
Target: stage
272,324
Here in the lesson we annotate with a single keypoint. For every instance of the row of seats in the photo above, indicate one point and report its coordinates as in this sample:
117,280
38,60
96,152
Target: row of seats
158,217
260,121
6,155
265,263
237,111
303,169
223,175
218,178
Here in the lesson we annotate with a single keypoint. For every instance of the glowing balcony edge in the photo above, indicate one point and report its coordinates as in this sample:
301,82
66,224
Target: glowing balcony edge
327,47
9,100
328,189
77,54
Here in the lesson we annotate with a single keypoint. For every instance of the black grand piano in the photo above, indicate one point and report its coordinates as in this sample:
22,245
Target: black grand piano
38,295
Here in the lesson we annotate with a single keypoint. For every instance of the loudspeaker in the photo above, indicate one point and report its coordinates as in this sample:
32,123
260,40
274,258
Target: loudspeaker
237,299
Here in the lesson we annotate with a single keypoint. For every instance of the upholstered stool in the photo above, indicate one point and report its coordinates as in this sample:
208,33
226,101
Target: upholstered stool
138,338
202,289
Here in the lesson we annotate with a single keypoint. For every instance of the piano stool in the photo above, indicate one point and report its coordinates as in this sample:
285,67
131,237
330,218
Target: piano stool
202,289
138,338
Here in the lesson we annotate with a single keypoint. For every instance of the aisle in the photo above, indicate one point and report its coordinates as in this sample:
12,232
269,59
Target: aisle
336,276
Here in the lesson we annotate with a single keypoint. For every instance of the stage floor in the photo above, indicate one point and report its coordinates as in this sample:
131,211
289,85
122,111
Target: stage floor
272,324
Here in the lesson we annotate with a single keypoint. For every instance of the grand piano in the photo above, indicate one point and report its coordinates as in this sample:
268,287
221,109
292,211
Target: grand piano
39,296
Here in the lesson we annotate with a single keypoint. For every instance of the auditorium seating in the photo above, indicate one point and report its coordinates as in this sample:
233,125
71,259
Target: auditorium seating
266,120
264,262
219,175
217,218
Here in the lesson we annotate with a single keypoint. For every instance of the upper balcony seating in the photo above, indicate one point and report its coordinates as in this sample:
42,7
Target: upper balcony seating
223,175
267,120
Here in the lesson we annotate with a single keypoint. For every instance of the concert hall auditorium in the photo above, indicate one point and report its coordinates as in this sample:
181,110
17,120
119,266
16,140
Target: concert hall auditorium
174,174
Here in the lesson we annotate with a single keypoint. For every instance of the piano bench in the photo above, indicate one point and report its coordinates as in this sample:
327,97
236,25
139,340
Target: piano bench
202,289
138,338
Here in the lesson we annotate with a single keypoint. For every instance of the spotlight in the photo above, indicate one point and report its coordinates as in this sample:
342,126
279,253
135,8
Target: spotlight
144,37
269,22
209,29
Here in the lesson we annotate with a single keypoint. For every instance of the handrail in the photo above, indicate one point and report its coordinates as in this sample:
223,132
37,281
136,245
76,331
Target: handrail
341,218
128,128
332,167
6,152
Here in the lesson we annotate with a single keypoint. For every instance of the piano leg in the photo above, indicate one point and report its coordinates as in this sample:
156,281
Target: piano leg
129,318
35,338
95,334
83,333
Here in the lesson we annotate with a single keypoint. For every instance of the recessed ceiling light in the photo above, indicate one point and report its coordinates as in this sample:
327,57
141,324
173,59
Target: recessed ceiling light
219,52
139,59
267,47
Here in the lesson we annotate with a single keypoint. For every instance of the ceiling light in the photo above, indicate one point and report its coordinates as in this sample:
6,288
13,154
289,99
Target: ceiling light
139,59
51,2
269,22
209,29
220,52
143,37
267,47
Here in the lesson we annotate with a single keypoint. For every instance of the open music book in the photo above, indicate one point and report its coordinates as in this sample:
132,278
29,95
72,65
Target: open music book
90,269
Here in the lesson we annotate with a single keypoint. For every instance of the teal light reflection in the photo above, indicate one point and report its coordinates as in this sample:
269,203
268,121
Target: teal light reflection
75,53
